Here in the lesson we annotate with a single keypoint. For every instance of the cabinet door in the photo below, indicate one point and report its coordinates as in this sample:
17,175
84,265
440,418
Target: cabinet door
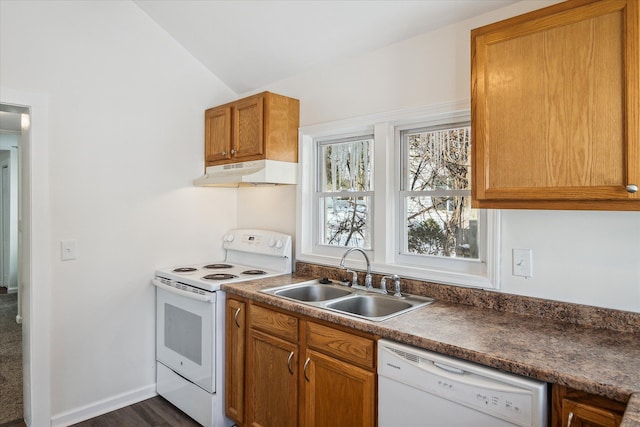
577,408
272,395
556,108
248,133
337,393
576,414
235,357
217,135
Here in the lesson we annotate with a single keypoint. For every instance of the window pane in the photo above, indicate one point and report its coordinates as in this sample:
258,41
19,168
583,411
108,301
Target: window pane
346,221
346,166
442,226
438,159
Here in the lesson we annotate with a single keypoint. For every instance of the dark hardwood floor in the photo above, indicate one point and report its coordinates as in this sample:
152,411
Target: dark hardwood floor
154,412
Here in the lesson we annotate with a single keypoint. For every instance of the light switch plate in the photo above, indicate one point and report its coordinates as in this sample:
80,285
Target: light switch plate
522,262
68,250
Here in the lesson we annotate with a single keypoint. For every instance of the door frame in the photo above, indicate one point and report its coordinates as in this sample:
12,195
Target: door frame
4,238
35,256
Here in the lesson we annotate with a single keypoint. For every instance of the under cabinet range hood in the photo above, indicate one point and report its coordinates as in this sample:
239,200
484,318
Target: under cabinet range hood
257,172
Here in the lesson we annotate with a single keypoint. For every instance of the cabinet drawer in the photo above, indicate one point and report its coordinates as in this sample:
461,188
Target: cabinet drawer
346,346
274,323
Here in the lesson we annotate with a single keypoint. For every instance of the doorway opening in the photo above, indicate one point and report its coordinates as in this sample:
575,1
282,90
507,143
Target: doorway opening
14,128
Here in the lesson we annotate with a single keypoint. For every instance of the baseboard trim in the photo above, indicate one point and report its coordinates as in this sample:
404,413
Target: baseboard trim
103,406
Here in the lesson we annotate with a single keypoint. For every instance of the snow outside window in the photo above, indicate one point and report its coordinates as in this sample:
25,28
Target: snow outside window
344,194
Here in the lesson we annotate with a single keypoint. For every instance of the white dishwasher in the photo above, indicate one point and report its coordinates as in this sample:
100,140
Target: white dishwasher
418,388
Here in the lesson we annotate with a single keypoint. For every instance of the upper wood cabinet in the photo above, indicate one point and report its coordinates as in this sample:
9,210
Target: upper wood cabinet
555,108
262,126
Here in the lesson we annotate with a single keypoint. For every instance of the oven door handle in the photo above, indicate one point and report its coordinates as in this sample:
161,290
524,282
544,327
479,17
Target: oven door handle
187,294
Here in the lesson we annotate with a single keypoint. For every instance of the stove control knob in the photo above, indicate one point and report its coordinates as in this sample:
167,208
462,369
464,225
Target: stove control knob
272,243
279,244
228,238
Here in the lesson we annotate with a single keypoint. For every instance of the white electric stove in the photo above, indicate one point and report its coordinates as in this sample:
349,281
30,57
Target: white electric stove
190,319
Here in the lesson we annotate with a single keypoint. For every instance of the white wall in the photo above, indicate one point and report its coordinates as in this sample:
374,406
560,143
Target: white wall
584,257
125,139
268,207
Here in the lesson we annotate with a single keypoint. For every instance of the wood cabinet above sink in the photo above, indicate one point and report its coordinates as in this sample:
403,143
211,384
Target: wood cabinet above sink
556,108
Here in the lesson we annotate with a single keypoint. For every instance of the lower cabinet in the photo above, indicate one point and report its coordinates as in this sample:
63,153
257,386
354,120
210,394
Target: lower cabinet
272,383
301,372
337,393
235,314
579,409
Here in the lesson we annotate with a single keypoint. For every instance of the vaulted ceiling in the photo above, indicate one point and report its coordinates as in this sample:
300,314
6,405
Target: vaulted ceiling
250,44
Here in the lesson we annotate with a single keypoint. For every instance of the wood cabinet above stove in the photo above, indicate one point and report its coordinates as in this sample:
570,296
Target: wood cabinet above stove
262,126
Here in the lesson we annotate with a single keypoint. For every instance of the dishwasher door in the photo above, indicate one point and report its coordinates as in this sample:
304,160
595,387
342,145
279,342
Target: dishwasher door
417,388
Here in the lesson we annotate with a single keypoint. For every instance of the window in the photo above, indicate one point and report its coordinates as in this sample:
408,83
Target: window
435,193
398,186
344,194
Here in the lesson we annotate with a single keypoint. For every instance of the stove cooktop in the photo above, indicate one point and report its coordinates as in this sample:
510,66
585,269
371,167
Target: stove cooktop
210,276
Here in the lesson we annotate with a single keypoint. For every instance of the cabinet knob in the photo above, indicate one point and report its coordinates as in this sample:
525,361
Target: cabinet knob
233,151
224,153
632,188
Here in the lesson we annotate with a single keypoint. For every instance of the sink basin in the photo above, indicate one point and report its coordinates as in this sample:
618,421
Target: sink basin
352,301
370,305
313,292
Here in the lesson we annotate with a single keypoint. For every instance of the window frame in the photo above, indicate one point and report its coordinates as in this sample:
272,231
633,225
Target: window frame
386,205
320,194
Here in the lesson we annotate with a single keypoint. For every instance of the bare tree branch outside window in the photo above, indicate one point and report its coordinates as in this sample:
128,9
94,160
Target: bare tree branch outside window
345,195
436,191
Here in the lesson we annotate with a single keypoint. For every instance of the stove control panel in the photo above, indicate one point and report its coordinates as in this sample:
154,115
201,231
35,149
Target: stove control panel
258,241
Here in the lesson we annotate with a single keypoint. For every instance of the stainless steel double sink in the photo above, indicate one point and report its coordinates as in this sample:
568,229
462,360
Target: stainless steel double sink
358,302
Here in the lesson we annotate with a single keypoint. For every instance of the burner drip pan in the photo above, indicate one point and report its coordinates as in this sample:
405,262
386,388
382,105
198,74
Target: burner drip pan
185,269
219,276
254,272
217,266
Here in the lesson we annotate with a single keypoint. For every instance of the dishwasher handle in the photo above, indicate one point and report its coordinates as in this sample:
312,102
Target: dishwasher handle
448,368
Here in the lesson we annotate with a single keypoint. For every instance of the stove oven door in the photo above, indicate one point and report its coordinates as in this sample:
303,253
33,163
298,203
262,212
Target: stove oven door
185,340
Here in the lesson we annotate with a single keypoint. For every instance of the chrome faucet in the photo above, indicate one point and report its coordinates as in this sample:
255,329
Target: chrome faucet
367,279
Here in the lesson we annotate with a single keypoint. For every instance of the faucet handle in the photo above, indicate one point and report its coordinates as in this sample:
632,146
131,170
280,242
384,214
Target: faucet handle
383,283
354,277
396,282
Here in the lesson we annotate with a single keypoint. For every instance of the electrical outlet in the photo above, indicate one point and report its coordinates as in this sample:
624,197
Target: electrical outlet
522,262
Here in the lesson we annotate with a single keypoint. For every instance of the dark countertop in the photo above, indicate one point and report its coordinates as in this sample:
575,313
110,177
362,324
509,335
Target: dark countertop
598,361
